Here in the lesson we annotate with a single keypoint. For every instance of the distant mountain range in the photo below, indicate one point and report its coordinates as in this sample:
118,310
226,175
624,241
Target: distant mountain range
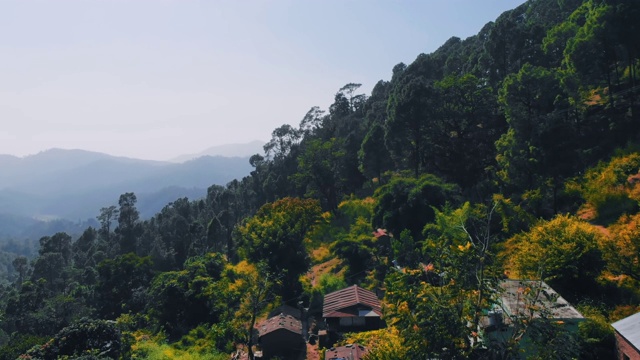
74,184
248,149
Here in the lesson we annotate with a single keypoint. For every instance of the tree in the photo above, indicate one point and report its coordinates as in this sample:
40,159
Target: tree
85,248
463,130
129,228
320,170
283,139
539,148
106,217
176,230
610,188
373,156
122,284
21,265
408,203
255,284
592,44
622,252
407,127
312,121
59,243
276,236
182,300
54,263
563,252
431,319
461,243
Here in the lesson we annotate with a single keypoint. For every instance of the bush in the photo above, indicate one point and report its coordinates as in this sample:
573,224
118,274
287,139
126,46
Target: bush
98,338
19,344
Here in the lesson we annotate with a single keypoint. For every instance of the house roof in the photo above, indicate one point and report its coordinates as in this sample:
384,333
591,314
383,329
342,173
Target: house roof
282,321
287,310
347,352
515,301
629,328
336,304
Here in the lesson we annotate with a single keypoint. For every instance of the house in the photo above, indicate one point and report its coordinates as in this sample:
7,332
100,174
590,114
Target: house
281,335
352,309
627,332
347,352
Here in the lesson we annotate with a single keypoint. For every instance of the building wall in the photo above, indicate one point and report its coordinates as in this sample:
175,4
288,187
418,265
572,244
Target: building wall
623,347
282,342
368,323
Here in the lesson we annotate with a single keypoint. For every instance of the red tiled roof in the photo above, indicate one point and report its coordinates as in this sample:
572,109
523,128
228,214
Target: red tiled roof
336,302
281,321
351,352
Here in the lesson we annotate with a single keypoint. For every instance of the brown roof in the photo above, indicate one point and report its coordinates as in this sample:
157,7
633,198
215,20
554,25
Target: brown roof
337,302
287,310
348,352
286,322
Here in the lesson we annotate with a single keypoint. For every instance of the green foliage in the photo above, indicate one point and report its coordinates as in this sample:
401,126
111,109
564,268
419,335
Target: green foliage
537,150
209,339
87,337
328,283
254,286
276,236
357,248
353,208
410,109
590,50
37,310
122,284
550,340
431,319
607,187
408,203
373,156
182,300
128,229
383,344
622,249
595,334
563,251
466,114
451,249
319,170
158,350
19,344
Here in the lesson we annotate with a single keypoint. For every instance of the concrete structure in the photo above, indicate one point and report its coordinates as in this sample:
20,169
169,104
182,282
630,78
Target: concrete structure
627,333
525,301
535,298
352,309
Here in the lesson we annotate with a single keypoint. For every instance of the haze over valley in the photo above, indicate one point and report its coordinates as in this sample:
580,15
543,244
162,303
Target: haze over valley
73,185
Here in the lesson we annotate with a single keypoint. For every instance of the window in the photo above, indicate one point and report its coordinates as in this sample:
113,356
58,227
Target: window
352,321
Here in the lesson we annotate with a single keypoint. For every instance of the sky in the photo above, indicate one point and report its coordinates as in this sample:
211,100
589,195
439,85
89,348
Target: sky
155,79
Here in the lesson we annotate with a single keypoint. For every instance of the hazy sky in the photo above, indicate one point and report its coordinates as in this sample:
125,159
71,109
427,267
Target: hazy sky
154,79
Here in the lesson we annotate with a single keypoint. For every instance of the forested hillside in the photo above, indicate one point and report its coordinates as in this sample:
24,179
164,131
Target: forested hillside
514,153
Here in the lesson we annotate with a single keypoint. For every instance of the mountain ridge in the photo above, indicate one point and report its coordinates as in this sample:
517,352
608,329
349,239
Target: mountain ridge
226,150
75,184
